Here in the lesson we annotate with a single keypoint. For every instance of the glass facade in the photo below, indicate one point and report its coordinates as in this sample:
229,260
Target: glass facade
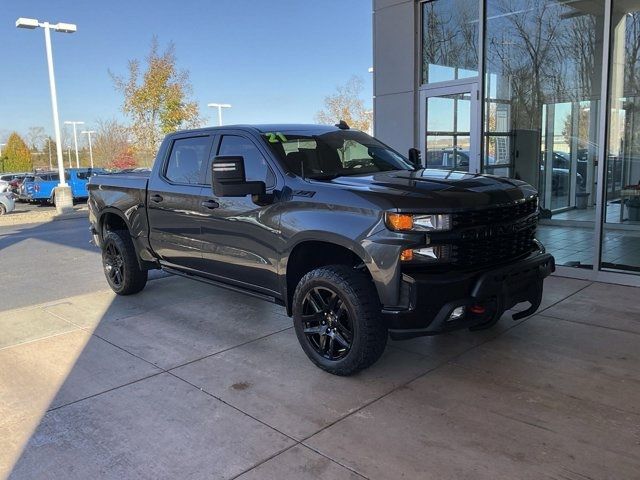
621,232
541,113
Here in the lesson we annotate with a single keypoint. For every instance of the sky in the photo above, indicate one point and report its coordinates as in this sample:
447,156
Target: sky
273,61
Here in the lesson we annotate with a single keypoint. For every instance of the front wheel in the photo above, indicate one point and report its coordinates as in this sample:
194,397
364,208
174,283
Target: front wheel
336,315
120,264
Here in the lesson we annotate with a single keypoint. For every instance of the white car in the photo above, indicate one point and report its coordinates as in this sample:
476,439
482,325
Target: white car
7,203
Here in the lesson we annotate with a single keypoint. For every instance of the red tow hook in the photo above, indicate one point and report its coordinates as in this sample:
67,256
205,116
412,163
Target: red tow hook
477,309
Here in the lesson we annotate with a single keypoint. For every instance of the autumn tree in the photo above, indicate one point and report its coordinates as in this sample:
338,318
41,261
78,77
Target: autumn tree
111,143
16,156
346,104
156,97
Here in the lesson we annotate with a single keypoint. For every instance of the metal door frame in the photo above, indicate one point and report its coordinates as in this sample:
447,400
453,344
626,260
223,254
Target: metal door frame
452,88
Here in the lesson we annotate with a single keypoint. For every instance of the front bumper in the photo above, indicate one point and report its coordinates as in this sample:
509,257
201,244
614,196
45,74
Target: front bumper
484,295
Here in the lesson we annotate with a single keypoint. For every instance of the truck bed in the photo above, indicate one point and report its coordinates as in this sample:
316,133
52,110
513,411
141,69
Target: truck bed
124,192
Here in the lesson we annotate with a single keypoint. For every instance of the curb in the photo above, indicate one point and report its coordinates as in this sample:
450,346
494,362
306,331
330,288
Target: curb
26,218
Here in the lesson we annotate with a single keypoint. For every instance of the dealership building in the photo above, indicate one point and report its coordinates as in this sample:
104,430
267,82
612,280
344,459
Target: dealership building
546,91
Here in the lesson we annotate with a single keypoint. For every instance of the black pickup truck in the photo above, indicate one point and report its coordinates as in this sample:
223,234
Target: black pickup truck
356,241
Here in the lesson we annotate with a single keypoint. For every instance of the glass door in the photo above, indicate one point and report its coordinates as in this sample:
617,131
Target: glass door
449,127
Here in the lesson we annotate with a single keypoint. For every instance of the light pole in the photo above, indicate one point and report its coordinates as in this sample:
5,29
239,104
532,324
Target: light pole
75,139
69,155
89,132
219,106
62,193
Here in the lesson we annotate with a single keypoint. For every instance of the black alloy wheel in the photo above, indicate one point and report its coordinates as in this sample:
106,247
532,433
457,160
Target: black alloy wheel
120,263
327,323
113,262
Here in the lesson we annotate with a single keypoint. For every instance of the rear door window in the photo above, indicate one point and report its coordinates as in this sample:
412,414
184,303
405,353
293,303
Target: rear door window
188,159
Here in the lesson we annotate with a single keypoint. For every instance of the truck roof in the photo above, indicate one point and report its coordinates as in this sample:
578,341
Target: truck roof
308,128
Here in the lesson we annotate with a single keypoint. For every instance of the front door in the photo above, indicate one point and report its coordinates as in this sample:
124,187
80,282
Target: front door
240,235
449,127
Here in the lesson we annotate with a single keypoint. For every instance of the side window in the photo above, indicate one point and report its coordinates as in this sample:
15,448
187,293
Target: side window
255,165
187,160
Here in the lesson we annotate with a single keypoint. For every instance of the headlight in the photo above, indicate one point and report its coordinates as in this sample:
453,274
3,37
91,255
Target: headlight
415,222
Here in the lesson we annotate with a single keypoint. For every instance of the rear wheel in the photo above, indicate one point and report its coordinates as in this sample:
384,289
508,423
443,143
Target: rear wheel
3,209
120,264
336,315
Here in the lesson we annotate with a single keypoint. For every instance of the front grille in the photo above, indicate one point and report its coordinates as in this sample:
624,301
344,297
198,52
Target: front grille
494,235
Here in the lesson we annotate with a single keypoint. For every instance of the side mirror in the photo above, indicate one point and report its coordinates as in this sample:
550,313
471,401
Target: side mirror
415,157
229,179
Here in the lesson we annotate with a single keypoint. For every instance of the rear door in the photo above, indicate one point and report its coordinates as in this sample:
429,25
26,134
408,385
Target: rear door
173,201
240,237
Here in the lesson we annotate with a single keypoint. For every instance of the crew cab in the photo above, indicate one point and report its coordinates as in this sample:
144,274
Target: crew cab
355,240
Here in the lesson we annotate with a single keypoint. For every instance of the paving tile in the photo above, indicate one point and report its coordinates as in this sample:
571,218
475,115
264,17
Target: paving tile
602,304
558,288
47,373
160,427
183,332
25,325
87,311
456,423
580,362
300,463
273,380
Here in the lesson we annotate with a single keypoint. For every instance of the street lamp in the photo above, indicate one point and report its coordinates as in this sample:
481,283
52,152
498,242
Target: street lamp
219,106
62,193
75,139
89,132
69,155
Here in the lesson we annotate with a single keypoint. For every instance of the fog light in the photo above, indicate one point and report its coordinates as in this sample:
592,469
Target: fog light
457,314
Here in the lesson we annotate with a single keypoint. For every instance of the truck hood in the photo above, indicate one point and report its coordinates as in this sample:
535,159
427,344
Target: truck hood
441,190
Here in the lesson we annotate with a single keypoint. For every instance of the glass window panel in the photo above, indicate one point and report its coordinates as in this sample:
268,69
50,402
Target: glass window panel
449,40
542,93
621,233
448,131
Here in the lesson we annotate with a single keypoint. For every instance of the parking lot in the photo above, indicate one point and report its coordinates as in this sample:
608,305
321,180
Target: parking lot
190,381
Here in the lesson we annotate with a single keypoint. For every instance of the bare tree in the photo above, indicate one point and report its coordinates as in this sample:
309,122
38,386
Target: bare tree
112,141
346,105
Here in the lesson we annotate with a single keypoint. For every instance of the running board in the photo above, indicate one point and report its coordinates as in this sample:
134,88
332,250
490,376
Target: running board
226,286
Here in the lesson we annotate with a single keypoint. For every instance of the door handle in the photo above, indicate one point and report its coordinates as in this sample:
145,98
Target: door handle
156,198
211,204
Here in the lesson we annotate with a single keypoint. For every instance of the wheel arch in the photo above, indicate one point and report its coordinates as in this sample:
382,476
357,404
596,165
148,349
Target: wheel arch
308,254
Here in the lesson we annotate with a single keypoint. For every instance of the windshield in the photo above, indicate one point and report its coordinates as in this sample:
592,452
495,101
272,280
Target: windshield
334,154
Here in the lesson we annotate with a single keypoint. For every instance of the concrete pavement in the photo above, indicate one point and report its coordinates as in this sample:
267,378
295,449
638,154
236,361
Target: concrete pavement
190,381
46,261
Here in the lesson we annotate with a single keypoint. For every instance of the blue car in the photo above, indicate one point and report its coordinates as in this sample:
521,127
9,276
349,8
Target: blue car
39,186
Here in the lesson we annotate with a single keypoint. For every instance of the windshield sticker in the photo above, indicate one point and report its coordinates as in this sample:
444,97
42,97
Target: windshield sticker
275,137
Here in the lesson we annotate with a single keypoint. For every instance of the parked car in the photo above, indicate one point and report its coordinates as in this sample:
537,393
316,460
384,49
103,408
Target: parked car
7,203
356,241
40,187
5,180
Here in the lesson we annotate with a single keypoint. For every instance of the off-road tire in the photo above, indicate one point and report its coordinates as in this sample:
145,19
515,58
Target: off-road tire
359,297
118,252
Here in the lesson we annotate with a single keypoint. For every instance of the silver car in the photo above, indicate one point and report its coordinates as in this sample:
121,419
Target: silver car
7,203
